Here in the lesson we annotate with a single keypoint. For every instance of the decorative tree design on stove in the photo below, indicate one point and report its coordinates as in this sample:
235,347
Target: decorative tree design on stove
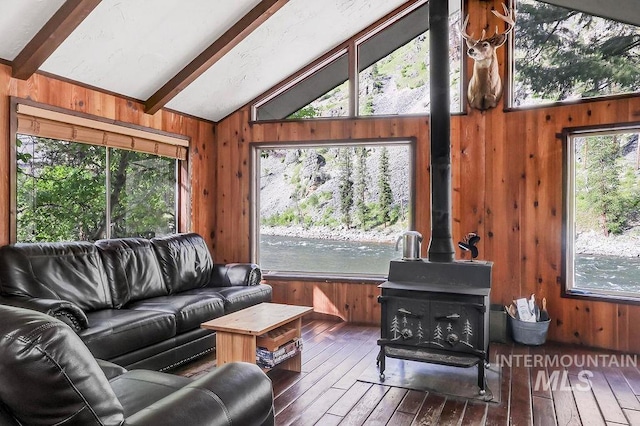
395,328
420,332
467,332
404,321
438,336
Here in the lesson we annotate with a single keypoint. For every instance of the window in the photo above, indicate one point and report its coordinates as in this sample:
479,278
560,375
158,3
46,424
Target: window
561,54
330,208
603,212
393,74
76,190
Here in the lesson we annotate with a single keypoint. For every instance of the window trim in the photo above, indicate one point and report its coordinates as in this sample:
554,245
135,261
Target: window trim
176,143
254,216
568,217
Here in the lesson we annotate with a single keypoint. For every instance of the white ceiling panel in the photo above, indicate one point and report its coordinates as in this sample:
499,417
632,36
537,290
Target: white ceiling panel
134,47
293,37
20,20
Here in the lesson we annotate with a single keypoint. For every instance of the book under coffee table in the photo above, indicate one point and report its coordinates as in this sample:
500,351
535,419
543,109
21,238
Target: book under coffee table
240,333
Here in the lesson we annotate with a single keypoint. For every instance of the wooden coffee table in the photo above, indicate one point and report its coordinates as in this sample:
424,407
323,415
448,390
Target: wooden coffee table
237,334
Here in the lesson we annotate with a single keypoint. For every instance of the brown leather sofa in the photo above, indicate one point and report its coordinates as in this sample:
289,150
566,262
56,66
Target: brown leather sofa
49,377
135,302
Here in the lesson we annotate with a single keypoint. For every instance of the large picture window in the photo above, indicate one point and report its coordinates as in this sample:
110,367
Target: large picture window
79,178
562,54
603,206
392,63
330,209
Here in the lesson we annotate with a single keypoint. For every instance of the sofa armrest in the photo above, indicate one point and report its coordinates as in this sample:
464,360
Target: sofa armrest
110,369
236,393
67,312
236,274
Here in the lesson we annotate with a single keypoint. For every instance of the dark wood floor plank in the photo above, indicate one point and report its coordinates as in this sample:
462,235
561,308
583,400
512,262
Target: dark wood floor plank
586,403
314,411
452,412
621,389
633,416
310,395
539,372
520,401
338,354
475,413
498,414
607,401
633,378
359,413
401,419
412,402
430,411
386,407
564,401
544,413
368,361
329,420
349,399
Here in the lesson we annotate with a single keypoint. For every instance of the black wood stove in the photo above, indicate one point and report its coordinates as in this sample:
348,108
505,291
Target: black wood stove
436,312
437,309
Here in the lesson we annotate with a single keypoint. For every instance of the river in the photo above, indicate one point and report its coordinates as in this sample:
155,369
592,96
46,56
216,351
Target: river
293,254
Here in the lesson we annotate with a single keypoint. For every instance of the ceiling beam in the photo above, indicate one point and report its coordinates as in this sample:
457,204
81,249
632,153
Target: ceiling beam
50,36
238,32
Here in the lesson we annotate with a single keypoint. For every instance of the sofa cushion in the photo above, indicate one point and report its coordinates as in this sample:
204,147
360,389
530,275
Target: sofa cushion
138,389
132,269
71,271
237,297
40,357
114,332
185,261
190,310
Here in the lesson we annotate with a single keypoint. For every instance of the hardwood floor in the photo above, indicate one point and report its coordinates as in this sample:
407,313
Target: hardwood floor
547,385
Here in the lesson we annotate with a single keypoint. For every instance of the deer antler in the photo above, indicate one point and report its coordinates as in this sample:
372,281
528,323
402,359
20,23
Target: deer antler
509,17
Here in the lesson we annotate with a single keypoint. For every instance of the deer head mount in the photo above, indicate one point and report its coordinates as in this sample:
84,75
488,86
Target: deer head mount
485,86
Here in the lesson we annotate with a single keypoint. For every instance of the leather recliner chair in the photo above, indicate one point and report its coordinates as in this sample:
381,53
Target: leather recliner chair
48,376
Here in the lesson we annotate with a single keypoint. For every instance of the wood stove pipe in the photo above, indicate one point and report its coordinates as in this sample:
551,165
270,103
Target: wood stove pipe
441,248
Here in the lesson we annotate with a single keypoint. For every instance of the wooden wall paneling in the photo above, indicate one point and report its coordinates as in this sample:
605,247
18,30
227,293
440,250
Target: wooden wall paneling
5,153
57,93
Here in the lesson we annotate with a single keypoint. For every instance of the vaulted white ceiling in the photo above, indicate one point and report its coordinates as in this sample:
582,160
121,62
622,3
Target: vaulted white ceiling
200,57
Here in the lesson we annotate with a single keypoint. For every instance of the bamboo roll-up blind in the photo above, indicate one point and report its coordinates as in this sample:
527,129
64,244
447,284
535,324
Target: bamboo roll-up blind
34,121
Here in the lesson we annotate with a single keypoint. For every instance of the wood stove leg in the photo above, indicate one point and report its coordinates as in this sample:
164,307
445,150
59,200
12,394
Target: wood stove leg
482,382
380,362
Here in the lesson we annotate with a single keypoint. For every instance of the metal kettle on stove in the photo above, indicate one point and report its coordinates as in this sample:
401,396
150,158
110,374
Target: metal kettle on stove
411,241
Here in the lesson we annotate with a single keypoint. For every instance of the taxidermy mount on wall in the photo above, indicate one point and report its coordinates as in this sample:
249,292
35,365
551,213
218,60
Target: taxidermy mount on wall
485,86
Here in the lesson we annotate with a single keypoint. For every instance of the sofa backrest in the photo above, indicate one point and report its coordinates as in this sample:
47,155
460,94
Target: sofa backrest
185,261
48,374
71,271
133,272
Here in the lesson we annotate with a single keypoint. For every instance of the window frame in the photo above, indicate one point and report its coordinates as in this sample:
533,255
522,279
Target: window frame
509,82
568,202
97,123
254,194
351,47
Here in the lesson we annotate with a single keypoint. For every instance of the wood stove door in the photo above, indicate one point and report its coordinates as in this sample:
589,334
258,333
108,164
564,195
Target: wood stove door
404,321
456,326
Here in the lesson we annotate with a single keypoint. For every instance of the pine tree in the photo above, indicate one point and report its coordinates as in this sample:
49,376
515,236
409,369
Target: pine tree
385,200
346,185
361,186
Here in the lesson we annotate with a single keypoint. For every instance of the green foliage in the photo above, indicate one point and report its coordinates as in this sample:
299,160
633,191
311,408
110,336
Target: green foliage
564,53
606,191
346,185
384,187
61,192
308,111
362,209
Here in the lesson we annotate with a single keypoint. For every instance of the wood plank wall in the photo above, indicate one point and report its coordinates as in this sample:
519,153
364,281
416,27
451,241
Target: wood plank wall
199,177
507,183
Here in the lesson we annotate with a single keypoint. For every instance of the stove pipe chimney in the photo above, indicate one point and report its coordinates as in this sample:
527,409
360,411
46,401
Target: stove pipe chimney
441,247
